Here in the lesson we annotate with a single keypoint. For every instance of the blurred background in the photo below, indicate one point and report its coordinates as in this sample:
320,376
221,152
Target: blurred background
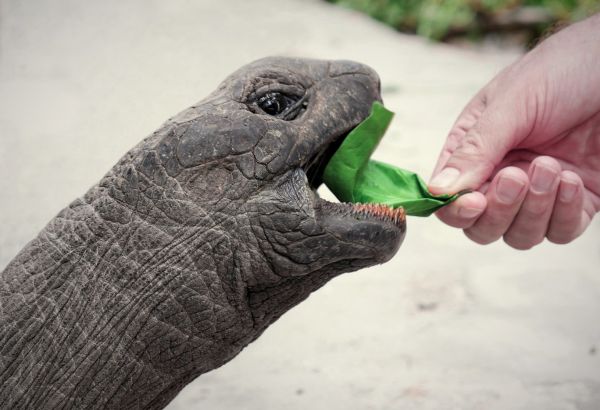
517,21
446,324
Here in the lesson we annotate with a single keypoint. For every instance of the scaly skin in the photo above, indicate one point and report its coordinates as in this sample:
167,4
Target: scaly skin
198,239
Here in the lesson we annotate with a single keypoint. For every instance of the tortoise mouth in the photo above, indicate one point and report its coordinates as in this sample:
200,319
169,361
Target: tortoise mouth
315,166
367,212
376,229
358,215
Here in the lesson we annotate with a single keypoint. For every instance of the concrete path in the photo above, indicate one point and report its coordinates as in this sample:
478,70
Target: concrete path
445,325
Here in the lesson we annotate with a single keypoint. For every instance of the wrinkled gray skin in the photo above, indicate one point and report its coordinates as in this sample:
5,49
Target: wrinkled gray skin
198,239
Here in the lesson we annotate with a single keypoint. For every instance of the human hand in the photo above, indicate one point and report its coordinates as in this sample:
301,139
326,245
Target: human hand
528,144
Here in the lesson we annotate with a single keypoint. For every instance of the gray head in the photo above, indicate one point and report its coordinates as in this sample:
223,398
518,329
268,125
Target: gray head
246,162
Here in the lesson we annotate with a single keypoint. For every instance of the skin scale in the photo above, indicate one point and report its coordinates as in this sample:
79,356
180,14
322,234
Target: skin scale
196,241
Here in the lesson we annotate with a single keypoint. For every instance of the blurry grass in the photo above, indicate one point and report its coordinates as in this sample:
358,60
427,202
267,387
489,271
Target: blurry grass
444,19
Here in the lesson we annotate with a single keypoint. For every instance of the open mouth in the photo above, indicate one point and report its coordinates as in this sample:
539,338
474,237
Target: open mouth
314,169
316,165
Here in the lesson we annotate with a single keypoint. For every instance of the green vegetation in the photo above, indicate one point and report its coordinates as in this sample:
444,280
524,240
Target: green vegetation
444,19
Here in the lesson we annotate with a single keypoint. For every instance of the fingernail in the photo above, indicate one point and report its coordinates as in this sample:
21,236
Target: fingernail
469,213
567,191
508,189
542,179
445,178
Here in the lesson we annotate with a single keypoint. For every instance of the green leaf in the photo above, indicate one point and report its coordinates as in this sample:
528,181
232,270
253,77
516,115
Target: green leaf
353,177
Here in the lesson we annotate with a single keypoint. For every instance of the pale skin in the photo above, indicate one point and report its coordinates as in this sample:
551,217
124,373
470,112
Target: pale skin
528,144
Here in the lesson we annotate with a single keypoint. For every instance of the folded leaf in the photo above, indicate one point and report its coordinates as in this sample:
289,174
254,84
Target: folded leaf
353,177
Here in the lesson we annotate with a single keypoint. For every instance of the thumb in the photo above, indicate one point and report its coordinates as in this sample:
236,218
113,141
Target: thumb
469,159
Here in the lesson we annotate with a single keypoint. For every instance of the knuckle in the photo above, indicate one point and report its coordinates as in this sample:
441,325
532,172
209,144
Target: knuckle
560,238
536,206
549,162
478,237
451,218
566,218
522,242
498,216
473,147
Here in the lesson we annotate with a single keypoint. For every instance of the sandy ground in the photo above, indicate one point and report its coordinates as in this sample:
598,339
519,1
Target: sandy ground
446,324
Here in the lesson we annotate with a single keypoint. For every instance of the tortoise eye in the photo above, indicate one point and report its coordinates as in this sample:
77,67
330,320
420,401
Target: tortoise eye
275,103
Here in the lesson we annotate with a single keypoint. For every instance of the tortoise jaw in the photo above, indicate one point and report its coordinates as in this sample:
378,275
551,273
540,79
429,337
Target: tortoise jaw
375,228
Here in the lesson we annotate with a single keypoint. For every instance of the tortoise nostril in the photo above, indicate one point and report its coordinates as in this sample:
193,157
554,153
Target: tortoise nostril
342,67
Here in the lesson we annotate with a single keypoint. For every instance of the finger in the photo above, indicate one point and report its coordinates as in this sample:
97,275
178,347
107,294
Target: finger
463,212
531,223
476,155
567,221
504,197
